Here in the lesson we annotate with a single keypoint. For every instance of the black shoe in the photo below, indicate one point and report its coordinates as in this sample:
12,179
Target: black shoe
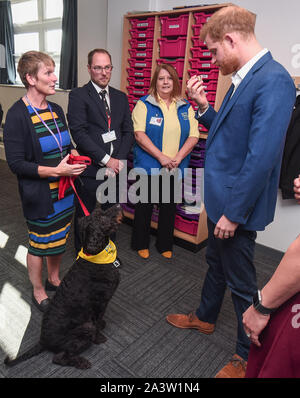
49,286
43,305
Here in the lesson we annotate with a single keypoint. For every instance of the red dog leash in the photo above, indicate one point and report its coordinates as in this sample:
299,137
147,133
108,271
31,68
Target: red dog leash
65,182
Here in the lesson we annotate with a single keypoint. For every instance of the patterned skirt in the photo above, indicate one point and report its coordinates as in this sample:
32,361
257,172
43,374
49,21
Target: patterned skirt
48,236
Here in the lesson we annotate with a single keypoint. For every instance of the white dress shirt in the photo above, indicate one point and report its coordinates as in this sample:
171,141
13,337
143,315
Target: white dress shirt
99,89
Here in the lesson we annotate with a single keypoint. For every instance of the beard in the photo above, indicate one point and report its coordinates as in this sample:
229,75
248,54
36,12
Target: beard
229,65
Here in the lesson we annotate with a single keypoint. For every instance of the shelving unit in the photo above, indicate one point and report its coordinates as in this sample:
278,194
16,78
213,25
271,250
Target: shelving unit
172,37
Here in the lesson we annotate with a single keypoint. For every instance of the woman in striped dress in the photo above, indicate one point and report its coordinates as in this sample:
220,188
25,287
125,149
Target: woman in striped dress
37,147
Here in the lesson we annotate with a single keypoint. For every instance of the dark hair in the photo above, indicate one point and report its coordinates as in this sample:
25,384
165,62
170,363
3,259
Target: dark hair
176,93
30,62
97,50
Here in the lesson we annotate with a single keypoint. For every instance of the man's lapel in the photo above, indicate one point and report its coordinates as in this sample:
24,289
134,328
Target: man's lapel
96,99
228,102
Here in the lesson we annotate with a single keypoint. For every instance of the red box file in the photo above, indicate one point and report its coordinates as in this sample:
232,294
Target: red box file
210,86
139,53
139,82
140,63
197,42
177,63
172,48
188,226
174,26
146,23
147,34
201,17
139,72
206,75
132,99
202,64
198,52
139,92
141,44
196,29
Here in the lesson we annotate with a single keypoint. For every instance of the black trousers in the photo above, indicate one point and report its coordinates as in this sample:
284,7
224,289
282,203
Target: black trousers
142,220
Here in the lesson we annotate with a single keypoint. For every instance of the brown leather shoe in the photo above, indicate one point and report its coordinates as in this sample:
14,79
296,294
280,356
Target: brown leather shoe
190,321
236,368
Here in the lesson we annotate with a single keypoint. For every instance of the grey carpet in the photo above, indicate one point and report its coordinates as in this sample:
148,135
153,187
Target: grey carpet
141,344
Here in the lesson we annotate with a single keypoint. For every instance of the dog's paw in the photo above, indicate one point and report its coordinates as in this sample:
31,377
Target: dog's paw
99,339
82,363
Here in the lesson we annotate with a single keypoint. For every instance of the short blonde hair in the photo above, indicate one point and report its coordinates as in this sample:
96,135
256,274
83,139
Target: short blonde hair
176,93
30,63
228,20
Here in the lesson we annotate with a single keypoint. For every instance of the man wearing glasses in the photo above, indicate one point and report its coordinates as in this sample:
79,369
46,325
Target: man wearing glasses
101,127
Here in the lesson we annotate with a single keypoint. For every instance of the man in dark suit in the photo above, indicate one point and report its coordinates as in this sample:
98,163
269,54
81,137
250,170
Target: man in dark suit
101,127
242,166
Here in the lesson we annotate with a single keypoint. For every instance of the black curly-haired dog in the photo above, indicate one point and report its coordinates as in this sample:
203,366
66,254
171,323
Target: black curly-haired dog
74,319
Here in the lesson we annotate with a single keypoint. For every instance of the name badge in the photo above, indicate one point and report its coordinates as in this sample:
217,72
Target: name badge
109,136
156,121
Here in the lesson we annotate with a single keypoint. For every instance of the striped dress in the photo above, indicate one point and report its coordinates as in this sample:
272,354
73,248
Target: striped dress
48,236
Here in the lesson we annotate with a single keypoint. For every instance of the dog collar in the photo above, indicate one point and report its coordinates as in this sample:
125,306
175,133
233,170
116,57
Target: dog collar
106,256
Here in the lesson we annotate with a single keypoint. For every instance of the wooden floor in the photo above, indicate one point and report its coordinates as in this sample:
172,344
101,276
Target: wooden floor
141,344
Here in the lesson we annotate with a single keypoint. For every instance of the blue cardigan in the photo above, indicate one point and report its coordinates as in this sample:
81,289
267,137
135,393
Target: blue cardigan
24,155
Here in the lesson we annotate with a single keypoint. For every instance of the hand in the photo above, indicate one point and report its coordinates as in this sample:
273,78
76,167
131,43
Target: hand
165,161
196,92
225,228
115,166
297,188
175,162
254,323
69,170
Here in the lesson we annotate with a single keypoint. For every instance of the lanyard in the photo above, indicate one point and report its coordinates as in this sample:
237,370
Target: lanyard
59,144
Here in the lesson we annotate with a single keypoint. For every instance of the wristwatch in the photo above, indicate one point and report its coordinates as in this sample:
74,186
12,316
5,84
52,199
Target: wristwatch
258,305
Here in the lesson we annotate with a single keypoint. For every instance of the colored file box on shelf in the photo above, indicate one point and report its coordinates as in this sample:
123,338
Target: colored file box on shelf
139,92
201,64
210,86
146,23
197,42
198,52
177,63
197,29
145,73
206,75
147,34
174,26
132,99
139,63
136,53
139,82
211,97
201,17
187,226
172,48
141,44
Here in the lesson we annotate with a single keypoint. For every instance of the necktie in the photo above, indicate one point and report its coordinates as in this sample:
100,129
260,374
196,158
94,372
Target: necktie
103,96
107,110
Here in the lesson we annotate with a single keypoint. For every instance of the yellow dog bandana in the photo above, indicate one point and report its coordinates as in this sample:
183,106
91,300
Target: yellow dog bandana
107,256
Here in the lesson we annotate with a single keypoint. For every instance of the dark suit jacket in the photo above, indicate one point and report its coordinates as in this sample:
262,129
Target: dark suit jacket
245,144
290,167
88,121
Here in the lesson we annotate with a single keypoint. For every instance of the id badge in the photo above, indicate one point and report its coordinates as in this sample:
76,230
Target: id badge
156,121
109,136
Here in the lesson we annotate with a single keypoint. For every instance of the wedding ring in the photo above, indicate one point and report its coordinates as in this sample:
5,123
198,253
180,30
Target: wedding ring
248,335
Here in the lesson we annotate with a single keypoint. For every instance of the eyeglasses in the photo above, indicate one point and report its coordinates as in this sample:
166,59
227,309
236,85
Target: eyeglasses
98,69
